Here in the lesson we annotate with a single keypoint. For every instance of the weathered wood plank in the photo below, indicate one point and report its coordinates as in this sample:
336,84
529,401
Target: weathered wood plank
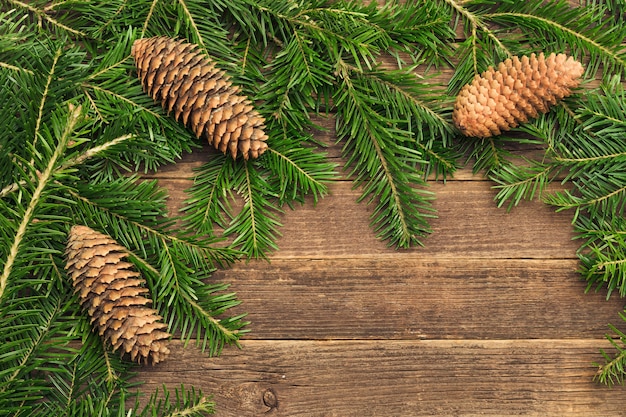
468,225
396,378
414,297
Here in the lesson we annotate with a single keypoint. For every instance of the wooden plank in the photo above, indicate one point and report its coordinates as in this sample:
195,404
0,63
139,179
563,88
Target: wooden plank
468,225
543,377
411,297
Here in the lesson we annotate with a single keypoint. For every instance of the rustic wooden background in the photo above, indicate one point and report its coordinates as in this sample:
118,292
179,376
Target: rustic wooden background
488,318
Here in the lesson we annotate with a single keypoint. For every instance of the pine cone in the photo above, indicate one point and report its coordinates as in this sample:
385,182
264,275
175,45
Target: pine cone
111,293
520,89
186,82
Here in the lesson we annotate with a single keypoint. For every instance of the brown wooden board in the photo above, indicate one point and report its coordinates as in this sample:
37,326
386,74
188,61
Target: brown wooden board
354,378
468,224
489,317
405,297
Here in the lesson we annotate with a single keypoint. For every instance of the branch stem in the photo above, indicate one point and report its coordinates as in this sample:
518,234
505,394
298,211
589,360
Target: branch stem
41,14
476,23
14,68
44,97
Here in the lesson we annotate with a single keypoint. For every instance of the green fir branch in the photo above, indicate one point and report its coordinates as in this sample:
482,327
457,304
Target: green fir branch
613,370
603,252
71,121
381,160
43,15
517,183
297,171
255,227
186,402
208,200
179,292
582,30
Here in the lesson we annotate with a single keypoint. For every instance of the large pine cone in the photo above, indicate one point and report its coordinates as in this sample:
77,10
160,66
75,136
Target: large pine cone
111,293
186,82
520,89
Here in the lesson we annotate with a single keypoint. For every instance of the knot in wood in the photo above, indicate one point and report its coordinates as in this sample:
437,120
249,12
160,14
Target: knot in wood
270,399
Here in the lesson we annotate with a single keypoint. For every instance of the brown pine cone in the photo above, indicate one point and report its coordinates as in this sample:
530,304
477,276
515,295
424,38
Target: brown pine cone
520,89
186,82
112,294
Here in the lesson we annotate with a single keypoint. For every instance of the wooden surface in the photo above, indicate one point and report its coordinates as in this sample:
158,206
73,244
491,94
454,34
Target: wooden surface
488,318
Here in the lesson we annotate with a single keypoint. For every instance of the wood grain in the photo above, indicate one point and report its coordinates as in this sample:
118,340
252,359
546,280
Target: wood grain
409,297
488,318
468,224
397,378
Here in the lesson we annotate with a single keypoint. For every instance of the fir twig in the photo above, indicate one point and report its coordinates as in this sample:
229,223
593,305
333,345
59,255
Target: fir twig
71,121
613,370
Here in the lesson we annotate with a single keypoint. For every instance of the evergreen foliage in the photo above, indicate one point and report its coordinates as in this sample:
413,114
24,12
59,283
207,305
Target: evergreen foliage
579,144
76,129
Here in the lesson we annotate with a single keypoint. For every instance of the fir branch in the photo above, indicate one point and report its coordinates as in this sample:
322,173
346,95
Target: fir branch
300,171
583,29
374,151
603,253
29,351
88,382
12,38
589,160
142,216
178,297
42,15
516,183
410,98
421,29
488,154
44,96
340,29
481,47
196,22
30,325
190,403
95,151
206,205
476,24
111,374
301,71
256,226
71,121
122,98
602,194
613,370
